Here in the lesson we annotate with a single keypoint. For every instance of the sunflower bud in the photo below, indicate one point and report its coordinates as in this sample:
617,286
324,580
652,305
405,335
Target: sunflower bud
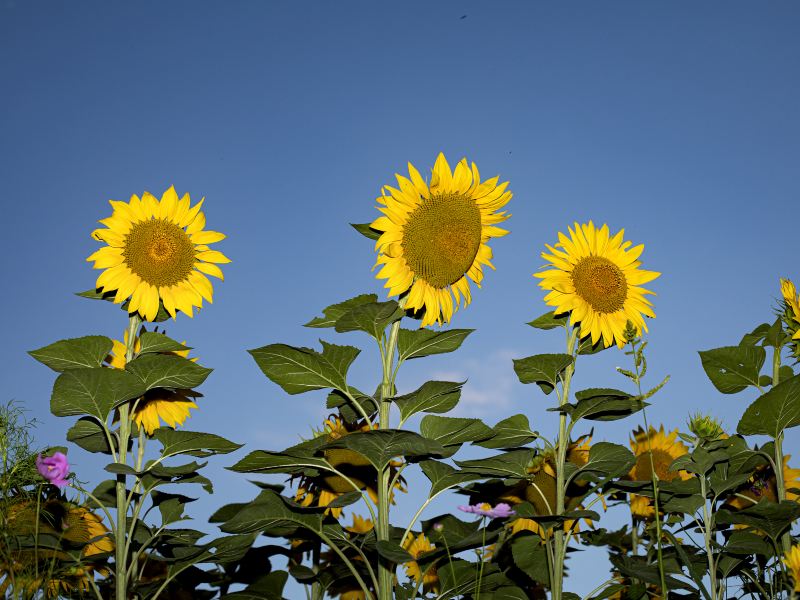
705,427
631,333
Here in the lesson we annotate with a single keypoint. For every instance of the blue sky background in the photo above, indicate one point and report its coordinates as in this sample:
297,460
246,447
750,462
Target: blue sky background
678,122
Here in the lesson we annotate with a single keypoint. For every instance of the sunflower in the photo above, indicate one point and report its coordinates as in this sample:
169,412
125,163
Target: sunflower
158,404
360,525
416,546
157,253
792,561
764,484
433,237
663,449
322,489
597,279
791,313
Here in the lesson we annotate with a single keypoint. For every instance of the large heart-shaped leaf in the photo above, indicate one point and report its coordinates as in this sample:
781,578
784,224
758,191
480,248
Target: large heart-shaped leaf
93,391
774,411
415,343
299,370
732,368
75,353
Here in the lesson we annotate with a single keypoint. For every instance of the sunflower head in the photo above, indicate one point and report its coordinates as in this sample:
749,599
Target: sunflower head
792,561
656,450
764,484
595,277
157,254
321,490
416,546
434,236
791,314
159,404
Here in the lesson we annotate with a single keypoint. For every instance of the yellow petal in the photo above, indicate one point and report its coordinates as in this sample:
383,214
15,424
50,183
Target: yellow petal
213,256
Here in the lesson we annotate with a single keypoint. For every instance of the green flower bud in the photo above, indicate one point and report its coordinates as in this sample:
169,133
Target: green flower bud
705,427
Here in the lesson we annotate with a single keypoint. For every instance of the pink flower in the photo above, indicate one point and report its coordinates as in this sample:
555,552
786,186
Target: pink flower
484,509
54,468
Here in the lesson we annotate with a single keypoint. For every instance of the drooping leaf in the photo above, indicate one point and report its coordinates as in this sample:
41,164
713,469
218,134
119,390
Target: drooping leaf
513,463
92,391
415,343
542,369
151,342
332,313
192,443
393,552
261,461
606,460
299,370
603,404
89,435
772,518
75,353
431,396
381,446
442,476
269,510
774,411
530,556
372,318
348,405
167,371
450,431
732,368
513,432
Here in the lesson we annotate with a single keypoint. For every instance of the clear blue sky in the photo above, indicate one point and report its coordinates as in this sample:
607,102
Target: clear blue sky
678,122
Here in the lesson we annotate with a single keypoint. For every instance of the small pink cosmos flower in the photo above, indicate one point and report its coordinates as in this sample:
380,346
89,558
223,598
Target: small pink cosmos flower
484,509
54,468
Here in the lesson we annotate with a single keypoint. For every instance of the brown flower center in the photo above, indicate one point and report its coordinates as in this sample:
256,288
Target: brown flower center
441,238
159,252
601,283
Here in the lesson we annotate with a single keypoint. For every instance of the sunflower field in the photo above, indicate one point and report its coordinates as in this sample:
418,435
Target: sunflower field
710,513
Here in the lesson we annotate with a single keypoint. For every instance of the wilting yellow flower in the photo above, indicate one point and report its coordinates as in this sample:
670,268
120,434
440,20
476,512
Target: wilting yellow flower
664,449
434,237
322,489
597,280
159,404
792,561
417,546
157,253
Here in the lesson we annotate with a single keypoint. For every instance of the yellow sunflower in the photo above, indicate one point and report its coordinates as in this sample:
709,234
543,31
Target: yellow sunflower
360,525
326,487
596,278
159,404
792,561
157,253
764,484
417,546
791,312
434,237
664,449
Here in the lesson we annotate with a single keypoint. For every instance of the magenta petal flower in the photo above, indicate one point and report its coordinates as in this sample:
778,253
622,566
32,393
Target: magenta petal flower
484,509
54,468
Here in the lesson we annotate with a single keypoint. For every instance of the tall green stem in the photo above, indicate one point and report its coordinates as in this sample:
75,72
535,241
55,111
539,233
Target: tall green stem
385,572
707,532
786,540
556,584
120,554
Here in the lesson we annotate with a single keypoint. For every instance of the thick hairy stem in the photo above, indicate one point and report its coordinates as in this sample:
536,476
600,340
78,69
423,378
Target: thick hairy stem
559,537
707,532
120,555
385,572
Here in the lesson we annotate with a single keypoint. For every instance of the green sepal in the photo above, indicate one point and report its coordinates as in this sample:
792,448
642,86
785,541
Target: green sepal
550,320
774,411
74,353
415,343
732,368
93,391
367,231
299,370
332,313
431,397
542,369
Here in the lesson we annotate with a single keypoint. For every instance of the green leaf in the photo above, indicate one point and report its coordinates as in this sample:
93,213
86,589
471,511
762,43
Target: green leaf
755,336
75,353
432,397
530,556
379,447
415,343
92,391
746,542
585,347
513,432
770,517
89,435
607,460
550,320
299,370
192,443
367,231
170,506
442,476
151,341
372,318
393,552
513,463
603,404
542,369
774,411
452,431
335,311
732,368
261,461
167,371
349,407
270,510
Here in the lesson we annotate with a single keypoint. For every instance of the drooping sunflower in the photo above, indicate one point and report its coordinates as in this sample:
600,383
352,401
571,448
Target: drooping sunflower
792,561
764,484
664,449
322,489
416,546
791,313
434,237
157,254
158,404
596,278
